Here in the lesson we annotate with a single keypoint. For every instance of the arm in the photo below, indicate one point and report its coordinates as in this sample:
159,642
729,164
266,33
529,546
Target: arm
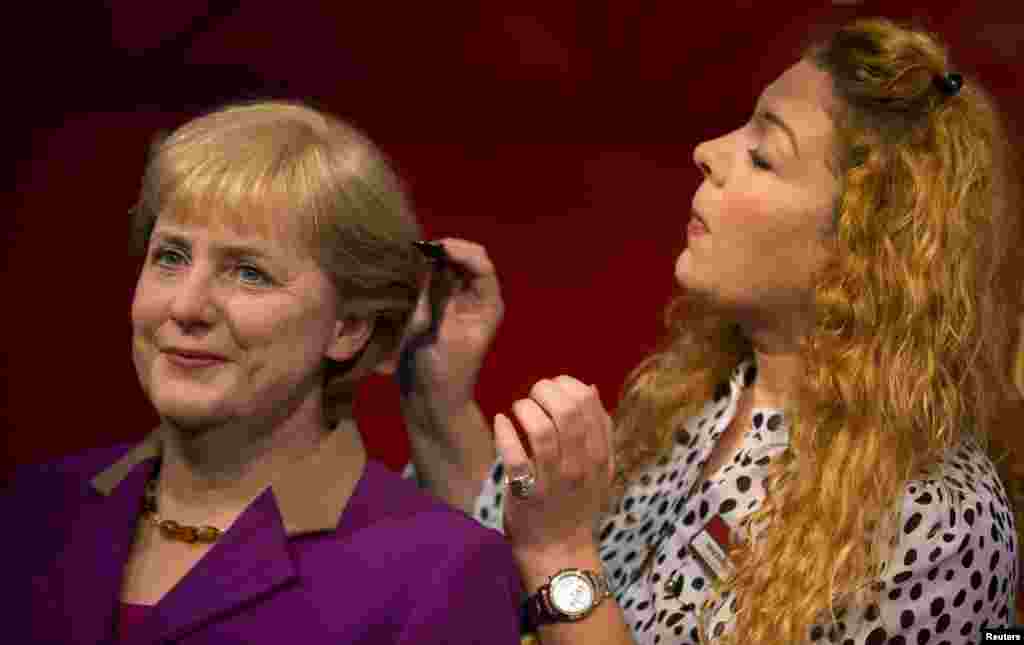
605,625
552,528
472,597
453,457
455,321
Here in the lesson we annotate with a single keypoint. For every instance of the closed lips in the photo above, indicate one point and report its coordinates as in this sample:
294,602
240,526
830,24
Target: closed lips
186,353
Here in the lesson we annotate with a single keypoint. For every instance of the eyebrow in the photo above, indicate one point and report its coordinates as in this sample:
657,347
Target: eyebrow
776,120
229,250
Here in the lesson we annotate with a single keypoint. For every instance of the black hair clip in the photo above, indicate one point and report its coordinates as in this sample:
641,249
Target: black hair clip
433,250
949,84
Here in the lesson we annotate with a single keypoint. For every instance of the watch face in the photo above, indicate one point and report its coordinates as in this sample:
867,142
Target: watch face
572,593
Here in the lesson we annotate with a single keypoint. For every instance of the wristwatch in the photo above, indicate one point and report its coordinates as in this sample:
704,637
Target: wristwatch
568,596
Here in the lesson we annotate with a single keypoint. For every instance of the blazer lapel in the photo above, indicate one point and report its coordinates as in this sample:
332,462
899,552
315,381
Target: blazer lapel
87,574
249,562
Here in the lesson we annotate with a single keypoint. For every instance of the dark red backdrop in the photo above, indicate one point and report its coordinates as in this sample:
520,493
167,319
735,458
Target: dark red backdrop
558,134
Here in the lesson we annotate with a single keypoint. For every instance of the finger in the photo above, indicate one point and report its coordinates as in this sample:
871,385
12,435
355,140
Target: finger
609,434
469,257
475,267
542,436
510,448
418,333
435,288
565,409
575,387
597,440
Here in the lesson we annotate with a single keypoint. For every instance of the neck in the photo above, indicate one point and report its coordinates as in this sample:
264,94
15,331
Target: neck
215,474
779,363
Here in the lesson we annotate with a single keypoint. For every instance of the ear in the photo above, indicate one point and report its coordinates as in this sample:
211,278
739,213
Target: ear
350,337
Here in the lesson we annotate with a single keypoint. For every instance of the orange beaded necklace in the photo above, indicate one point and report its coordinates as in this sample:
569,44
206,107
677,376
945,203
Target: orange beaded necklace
169,528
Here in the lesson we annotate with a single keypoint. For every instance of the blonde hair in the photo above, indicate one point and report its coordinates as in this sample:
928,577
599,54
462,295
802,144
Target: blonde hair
917,324
284,169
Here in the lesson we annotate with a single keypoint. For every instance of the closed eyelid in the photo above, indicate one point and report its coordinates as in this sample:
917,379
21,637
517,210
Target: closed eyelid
768,118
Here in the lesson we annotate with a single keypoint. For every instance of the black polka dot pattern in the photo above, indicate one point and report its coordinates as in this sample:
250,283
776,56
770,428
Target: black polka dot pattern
950,572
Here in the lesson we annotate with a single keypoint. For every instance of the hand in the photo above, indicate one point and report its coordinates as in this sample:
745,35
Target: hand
444,345
569,435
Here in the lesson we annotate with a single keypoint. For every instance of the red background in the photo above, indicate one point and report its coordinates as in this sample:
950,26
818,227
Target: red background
558,134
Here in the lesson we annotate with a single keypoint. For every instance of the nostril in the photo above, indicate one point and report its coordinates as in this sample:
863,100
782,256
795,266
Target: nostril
705,169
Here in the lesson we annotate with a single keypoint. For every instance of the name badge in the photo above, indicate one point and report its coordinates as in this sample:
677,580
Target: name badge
710,546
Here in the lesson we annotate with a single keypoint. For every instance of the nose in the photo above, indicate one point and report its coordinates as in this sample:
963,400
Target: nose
702,156
192,304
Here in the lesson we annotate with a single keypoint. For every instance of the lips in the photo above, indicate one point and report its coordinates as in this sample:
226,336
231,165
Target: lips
696,226
192,359
195,354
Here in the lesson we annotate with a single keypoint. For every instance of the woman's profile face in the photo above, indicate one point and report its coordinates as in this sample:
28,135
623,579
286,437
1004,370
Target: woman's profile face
260,308
767,200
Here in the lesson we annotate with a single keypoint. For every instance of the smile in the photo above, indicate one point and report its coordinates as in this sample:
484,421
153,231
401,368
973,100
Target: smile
192,361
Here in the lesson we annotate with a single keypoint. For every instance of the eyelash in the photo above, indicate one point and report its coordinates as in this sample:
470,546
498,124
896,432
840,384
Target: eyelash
160,254
163,252
758,161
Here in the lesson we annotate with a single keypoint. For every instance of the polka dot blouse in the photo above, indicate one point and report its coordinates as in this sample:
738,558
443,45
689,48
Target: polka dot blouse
953,572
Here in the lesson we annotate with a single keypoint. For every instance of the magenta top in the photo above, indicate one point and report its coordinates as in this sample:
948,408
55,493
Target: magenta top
399,568
131,617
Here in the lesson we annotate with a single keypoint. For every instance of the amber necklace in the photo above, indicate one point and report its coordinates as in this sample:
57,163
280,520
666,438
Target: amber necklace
169,528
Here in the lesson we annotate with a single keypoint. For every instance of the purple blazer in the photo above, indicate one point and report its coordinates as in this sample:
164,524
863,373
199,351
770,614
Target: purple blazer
327,554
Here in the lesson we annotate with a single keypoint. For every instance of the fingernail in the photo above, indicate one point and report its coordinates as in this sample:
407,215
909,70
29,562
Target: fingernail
520,470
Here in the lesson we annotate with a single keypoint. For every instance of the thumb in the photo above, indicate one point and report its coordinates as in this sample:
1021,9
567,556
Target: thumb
419,322
414,337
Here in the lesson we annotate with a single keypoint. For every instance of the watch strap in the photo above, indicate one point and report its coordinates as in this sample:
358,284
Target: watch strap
602,588
537,611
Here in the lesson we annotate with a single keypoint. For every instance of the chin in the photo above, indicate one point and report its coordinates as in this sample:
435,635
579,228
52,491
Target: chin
188,412
192,424
684,271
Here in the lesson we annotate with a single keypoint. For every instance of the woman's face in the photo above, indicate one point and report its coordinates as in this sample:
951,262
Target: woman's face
261,307
767,200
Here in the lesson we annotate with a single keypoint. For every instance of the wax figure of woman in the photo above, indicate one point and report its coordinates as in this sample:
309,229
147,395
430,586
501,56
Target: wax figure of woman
805,458
279,271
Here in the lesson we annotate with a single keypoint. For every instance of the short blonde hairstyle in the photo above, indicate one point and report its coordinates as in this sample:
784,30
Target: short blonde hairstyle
246,165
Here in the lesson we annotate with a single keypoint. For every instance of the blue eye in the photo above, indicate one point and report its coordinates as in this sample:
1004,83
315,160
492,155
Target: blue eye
251,275
758,161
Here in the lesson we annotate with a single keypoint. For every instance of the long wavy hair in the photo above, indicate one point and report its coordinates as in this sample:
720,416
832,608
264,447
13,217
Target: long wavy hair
914,342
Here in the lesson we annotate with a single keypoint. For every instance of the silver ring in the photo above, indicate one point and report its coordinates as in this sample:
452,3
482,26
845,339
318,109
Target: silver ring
522,485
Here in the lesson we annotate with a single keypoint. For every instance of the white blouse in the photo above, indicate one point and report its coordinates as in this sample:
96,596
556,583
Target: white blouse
953,572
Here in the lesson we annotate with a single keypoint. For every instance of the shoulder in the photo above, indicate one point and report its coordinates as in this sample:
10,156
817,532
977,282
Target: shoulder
959,496
49,497
58,475
384,500
395,532
953,567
